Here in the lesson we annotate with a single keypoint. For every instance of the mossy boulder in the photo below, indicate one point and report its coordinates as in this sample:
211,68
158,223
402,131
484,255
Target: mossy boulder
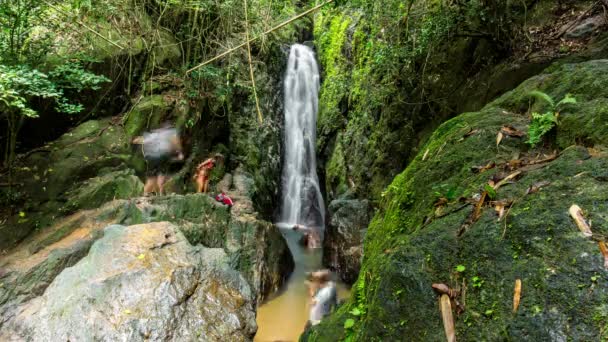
96,191
428,229
147,112
343,239
49,175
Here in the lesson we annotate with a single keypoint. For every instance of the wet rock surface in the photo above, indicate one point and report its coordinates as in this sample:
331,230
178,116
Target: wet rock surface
343,241
143,282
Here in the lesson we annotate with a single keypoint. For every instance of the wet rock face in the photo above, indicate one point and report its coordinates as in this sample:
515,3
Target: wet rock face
586,27
255,248
143,282
343,242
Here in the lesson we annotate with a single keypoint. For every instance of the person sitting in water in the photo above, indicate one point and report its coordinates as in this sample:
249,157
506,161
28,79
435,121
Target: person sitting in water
323,295
159,147
310,238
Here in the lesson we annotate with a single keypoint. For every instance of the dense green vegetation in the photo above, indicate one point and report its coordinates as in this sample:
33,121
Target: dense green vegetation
393,67
25,73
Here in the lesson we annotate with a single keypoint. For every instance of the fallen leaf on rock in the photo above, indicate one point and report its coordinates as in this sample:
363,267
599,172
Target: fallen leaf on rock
499,137
471,132
441,202
577,214
448,318
468,134
500,206
443,289
597,152
141,256
604,250
545,159
504,181
516,295
482,168
514,164
511,131
475,214
536,187
425,154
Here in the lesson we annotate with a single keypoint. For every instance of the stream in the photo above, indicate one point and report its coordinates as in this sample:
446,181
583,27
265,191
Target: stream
282,317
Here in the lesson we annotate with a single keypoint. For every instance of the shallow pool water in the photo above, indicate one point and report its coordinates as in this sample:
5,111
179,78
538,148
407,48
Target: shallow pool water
283,316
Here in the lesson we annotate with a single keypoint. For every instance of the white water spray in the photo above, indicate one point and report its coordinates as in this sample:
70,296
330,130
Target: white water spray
302,199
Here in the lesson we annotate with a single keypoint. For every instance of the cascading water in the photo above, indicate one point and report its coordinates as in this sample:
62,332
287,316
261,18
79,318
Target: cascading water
302,199
283,317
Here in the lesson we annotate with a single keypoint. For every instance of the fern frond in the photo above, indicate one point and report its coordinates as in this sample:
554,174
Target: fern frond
568,99
543,96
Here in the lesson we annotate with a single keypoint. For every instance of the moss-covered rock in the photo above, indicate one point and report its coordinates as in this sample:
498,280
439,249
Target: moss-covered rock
416,240
148,112
96,191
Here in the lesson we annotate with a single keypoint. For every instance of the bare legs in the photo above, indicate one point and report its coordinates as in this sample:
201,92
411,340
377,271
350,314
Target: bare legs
160,180
150,185
154,183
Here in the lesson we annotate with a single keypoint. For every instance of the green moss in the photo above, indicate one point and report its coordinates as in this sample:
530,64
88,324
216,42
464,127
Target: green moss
408,247
146,114
336,170
332,37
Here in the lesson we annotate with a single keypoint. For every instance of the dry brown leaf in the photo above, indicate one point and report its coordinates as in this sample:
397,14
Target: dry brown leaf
516,295
444,289
506,179
470,133
448,318
442,201
499,137
577,214
604,250
482,168
475,214
514,164
536,187
500,206
546,159
596,152
511,131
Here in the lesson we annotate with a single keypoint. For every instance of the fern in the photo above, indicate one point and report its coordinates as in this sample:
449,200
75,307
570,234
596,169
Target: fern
542,123
543,96
568,99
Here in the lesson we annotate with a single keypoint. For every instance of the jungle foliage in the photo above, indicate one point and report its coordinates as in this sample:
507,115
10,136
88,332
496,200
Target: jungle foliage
26,38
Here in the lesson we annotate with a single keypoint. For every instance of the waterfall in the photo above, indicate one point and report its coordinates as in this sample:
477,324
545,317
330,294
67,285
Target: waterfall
302,199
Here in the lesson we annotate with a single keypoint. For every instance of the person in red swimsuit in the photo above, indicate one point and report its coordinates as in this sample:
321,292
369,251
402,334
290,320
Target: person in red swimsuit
202,174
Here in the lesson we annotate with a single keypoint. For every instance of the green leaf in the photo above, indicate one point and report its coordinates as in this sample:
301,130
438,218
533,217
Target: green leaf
349,323
460,268
490,190
355,312
544,97
568,99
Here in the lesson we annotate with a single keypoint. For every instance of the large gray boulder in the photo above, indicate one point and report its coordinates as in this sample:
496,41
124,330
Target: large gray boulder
143,282
343,242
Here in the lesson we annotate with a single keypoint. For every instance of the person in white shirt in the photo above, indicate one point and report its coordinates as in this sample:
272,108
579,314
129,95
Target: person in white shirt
323,295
